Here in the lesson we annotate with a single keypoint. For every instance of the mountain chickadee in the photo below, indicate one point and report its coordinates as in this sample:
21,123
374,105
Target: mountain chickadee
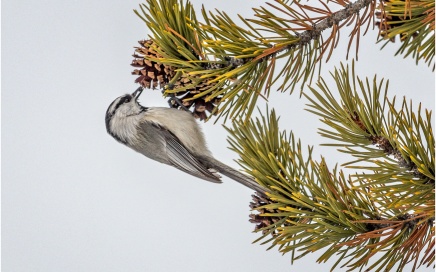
169,136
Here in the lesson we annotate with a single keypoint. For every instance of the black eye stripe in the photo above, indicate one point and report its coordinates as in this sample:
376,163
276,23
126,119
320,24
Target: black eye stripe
112,109
124,99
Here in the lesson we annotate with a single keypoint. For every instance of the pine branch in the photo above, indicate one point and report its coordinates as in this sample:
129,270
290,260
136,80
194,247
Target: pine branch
334,19
235,66
306,37
313,208
360,120
387,212
384,144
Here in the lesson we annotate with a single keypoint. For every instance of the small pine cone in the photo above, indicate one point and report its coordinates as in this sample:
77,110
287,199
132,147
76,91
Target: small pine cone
151,73
199,105
259,219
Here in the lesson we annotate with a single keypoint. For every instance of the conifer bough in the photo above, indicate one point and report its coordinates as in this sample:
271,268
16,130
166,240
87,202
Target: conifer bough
381,217
219,63
386,208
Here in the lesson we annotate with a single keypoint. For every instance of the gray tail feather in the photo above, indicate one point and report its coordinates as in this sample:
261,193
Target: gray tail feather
236,175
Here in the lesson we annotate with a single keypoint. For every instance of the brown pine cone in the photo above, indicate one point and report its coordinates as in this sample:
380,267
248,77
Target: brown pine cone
152,73
259,219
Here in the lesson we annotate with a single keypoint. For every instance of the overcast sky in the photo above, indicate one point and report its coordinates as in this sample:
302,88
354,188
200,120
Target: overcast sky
73,199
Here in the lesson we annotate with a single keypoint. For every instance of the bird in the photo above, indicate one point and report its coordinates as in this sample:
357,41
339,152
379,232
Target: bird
170,136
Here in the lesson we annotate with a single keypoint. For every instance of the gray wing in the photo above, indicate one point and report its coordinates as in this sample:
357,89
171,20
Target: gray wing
182,159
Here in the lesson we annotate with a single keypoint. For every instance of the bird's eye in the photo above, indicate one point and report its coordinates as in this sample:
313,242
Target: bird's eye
127,100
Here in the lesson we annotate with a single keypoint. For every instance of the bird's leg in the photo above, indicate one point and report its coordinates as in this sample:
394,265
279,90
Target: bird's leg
174,101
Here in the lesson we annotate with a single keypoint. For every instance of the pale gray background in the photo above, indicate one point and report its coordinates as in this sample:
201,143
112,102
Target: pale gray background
73,199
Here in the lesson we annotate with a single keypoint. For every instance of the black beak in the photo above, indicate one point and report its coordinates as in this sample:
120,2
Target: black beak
137,93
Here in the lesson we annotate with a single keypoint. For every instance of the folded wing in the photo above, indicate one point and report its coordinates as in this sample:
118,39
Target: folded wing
182,159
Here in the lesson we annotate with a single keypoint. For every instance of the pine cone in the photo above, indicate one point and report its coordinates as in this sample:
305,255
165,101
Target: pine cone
259,219
199,105
153,74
